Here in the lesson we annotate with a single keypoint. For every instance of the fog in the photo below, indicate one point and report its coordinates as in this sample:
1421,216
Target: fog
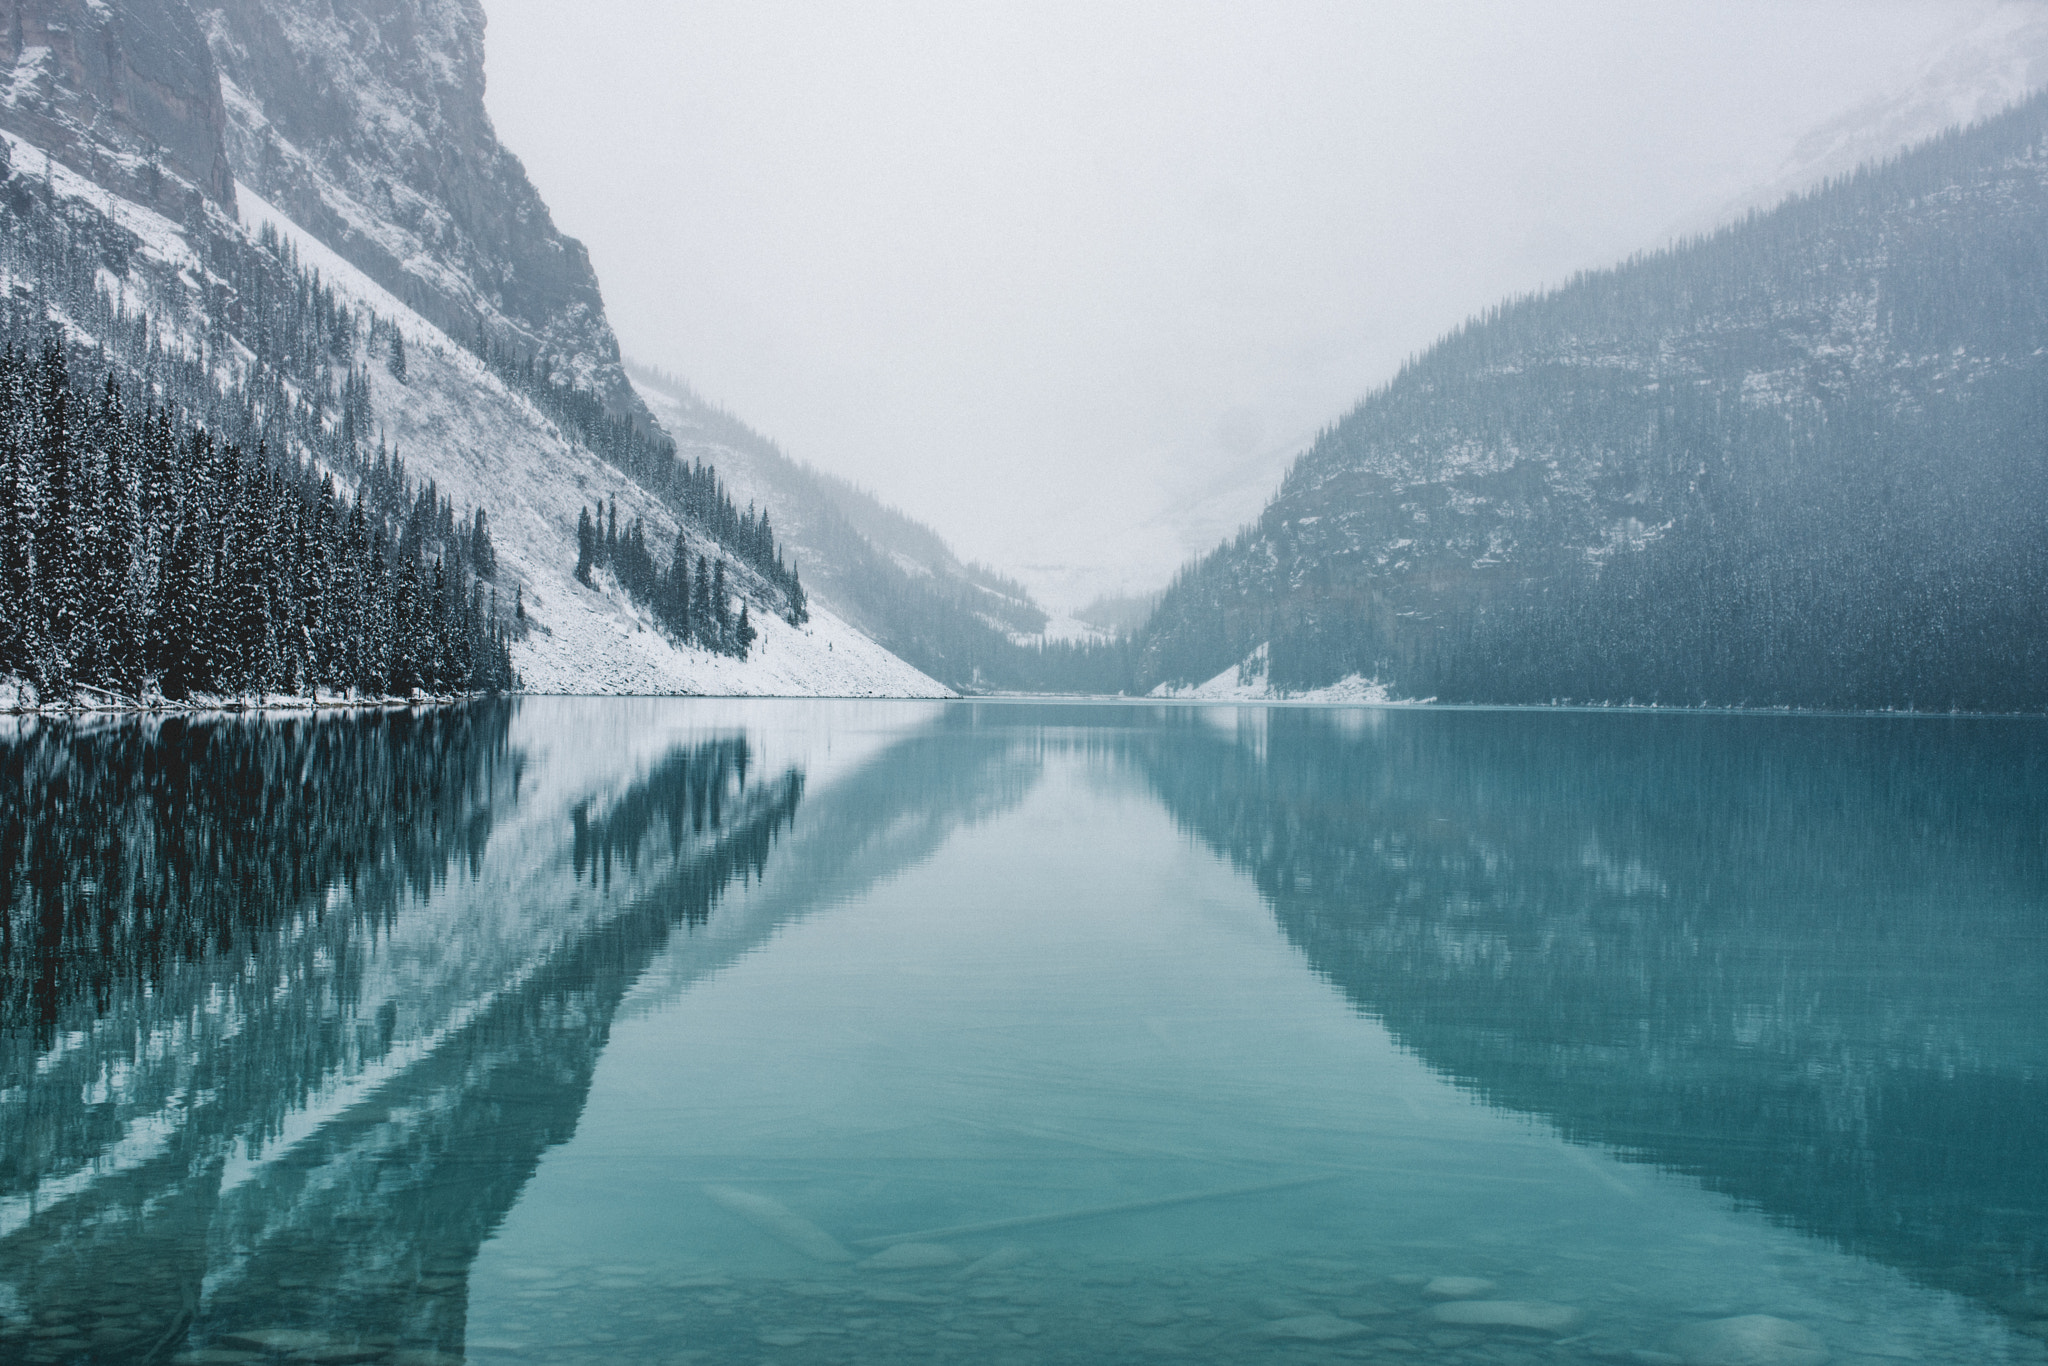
1073,282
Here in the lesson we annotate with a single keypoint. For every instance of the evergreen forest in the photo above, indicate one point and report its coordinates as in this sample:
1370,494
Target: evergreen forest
693,609
691,489
1801,462
139,555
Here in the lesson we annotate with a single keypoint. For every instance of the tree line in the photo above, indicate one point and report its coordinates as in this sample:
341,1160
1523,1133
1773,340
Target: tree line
691,489
693,609
140,555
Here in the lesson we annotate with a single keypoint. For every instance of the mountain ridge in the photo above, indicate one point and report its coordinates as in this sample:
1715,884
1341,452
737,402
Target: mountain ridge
527,414
1673,480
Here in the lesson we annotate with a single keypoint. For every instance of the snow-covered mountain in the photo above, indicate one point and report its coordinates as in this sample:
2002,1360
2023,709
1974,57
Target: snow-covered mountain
364,122
891,576
349,139
1798,462
1990,65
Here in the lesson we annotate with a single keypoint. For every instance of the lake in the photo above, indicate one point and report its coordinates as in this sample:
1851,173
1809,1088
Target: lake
700,1031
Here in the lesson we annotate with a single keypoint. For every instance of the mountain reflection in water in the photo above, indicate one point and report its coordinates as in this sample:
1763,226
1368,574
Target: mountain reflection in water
1799,959
294,1010
220,931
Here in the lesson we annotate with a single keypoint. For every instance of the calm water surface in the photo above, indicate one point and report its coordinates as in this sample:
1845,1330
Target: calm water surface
695,1031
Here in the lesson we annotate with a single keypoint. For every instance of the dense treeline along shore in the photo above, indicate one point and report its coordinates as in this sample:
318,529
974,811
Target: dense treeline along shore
694,609
142,558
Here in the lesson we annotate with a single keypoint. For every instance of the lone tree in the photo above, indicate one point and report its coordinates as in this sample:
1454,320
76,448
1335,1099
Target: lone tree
586,547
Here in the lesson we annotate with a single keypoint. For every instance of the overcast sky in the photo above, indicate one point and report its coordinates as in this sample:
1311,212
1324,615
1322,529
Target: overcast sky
1072,282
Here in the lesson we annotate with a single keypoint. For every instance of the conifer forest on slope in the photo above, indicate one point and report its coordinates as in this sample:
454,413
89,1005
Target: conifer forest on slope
1801,462
179,526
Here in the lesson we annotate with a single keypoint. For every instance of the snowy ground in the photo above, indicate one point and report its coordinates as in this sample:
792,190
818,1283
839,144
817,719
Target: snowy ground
1248,681
485,445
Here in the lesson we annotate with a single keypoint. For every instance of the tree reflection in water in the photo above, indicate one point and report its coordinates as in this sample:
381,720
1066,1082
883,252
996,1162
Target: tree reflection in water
1800,959
282,1046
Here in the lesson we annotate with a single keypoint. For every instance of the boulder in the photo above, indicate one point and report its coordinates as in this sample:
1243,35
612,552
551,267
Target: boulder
1530,1316
1312,1328
1748,1340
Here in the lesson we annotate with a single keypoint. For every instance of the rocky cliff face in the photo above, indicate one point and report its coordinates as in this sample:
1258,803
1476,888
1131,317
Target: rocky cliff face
292,220
125,95
364,121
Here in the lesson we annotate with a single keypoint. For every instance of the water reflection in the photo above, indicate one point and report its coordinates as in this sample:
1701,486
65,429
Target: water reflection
1801,960
128,851
285,1028
297,1012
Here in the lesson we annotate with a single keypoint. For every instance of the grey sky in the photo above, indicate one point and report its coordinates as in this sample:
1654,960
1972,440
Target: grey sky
1072,282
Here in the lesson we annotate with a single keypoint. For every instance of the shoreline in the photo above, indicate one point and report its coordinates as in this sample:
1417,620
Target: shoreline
113,704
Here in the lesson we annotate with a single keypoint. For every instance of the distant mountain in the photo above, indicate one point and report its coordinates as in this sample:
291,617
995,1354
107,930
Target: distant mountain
291,221
1803,461
1987,67
891,576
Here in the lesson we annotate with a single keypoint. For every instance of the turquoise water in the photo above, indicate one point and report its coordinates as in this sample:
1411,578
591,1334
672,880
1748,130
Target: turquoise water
697,1031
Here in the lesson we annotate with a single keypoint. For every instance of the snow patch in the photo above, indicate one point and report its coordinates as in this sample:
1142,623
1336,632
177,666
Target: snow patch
1250,680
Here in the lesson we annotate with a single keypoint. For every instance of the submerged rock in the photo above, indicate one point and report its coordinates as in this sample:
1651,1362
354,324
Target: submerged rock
1459,1288
1749,1340
279,1340
1531,1316
1312,1328
1004,1257
779,1220
912,1257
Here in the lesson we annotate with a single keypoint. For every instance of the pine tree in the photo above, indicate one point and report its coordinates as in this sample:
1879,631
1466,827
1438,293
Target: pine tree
721,609
483,557
17,523
179,611
57,586
676,594
586,547
700,603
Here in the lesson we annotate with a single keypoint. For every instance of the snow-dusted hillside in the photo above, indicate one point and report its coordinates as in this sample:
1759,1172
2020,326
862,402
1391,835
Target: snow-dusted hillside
1251,680
894,578
1795,463
1990,65
369,122
485,445
366,123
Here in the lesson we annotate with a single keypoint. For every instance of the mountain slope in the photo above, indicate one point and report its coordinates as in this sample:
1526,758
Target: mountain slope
364,122
1800,462
892,577
130,235
487,445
